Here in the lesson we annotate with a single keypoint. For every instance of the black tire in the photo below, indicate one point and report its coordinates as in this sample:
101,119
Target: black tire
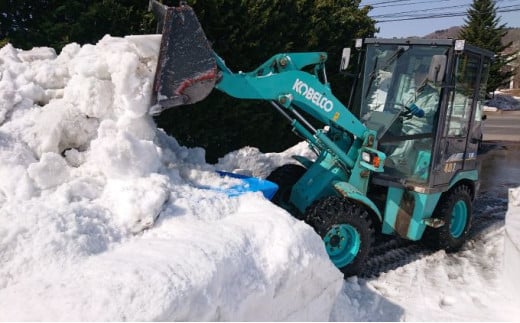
331,213
285,177
451,208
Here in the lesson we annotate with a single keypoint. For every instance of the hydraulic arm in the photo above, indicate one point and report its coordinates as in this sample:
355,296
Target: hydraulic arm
281,81
188,69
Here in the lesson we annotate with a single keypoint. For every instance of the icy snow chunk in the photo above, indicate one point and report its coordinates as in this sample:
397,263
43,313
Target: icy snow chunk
174,154
8,98
29,74
89,62
142,128
92,96
50,171
15,158
50,75
74,158
37,53
119,154
136,203
9,54
250,161
208,178
58,127
33,92
146,46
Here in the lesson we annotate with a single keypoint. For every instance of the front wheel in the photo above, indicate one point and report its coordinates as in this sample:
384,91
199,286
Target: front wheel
455,210
346,231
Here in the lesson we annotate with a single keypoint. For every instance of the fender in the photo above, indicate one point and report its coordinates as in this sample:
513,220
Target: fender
470,177
349,191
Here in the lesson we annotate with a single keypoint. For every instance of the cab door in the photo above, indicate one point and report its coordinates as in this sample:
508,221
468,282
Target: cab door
458,147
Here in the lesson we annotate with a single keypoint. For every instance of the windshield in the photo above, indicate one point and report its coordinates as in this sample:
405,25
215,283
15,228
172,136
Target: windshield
400,97
394,76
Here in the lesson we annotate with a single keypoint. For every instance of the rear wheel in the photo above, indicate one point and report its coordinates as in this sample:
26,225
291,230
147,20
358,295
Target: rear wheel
346,231
285,177
455,210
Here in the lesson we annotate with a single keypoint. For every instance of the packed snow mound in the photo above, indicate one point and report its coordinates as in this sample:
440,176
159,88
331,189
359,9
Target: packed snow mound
105,217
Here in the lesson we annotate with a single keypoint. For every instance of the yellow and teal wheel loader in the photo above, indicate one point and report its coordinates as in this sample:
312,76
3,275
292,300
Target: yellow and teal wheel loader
402,161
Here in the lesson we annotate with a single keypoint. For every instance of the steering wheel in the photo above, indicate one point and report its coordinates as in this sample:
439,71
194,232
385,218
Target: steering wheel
405,111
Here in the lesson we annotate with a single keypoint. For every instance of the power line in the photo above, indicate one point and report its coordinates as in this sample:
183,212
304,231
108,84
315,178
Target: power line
389,15
388,1
399,3
433,12
414,13
405,4
441,15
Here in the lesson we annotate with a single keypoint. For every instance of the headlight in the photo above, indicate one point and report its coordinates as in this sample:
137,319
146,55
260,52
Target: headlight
366,157
371,158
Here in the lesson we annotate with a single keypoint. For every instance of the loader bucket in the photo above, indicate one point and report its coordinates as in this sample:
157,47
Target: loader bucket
186,69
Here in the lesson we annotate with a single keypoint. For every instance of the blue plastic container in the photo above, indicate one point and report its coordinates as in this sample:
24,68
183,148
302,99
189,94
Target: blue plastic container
250,184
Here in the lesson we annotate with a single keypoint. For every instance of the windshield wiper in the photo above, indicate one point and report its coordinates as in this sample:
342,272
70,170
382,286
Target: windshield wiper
372,76
400,51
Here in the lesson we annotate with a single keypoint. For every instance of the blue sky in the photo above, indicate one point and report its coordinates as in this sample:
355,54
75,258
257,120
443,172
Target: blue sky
402,9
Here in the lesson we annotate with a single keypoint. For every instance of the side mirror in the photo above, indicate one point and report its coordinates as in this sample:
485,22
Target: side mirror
484,117
345,59
437,68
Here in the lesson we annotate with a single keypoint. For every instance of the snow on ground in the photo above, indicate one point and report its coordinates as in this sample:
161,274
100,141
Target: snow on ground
465,286
502,101
511,280
105,217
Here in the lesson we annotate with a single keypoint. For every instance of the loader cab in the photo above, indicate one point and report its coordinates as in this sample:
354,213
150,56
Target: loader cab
443,82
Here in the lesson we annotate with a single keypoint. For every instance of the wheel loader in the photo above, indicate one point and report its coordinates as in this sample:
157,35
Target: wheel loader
402,161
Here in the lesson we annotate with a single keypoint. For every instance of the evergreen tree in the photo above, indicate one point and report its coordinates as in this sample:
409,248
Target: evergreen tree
55,23
483,29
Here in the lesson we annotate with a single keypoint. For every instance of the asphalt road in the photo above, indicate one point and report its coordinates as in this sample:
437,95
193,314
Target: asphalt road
500,168
501,126
500,156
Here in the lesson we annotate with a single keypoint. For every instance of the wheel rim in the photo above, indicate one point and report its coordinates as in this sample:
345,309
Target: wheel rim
342,243
459,216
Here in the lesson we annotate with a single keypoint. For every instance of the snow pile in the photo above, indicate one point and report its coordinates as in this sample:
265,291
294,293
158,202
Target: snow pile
512,244
103,216
503,102
250,161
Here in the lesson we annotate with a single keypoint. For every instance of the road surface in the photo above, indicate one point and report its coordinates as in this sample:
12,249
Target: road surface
502,126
